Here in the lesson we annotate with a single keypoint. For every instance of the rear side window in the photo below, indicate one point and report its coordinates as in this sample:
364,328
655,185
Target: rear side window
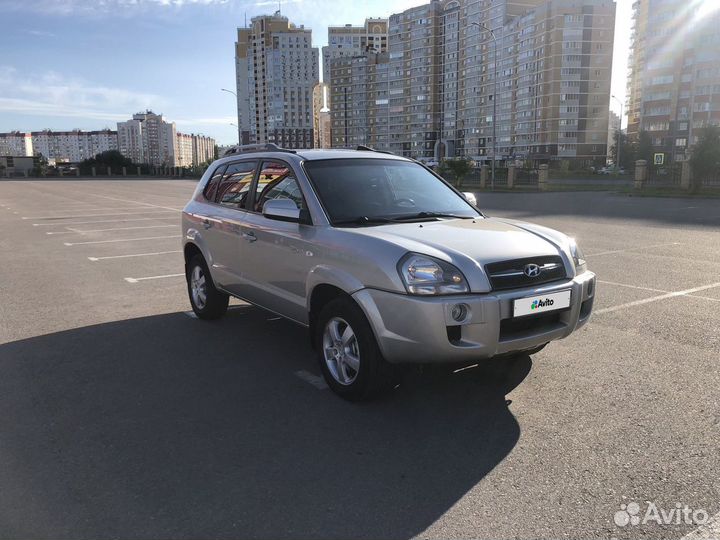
234,187
211,188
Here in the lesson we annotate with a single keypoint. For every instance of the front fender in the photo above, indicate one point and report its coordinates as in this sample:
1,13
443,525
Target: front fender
328,275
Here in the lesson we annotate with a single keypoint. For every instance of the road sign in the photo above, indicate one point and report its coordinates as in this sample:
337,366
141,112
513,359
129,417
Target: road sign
659,159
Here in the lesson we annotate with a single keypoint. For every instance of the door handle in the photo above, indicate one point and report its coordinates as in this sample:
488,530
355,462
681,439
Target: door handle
207,223
249,236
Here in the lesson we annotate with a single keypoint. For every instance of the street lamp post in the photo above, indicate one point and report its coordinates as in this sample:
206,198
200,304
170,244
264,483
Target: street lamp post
495,77
618,142
238,127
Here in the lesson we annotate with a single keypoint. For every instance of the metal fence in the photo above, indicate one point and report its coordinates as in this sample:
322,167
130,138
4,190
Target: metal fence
664,176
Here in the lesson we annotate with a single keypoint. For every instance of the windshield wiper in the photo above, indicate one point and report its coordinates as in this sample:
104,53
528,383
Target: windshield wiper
363,220
422,215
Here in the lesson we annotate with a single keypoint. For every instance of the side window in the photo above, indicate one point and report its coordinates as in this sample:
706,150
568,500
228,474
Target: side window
277,181
211,188
235,184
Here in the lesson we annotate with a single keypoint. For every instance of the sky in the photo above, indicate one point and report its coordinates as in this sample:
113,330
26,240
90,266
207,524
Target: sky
87,64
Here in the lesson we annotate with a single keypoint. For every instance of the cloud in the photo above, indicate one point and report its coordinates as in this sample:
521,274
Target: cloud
40,33
53,95
100,7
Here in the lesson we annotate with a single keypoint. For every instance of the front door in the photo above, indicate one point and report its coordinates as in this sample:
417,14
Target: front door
277,255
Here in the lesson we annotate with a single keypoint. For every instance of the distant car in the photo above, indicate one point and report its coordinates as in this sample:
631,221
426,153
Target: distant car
383,261
611,170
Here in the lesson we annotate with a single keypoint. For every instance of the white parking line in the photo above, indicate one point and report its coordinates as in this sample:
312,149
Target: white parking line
103,221
656,290
135,280
97,215
317,382
631,249
70,229
137,202
95,259
686,292
119,240
96,209
631,286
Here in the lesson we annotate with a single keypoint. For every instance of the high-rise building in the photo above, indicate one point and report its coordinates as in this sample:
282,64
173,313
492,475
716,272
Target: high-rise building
147,138
203,149
674,74
276,71
434,94
16,143
349,40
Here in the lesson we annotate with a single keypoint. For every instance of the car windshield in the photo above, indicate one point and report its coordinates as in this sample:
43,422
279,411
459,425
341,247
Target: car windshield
375,191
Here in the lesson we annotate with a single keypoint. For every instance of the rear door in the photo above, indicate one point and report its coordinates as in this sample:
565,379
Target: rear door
228,209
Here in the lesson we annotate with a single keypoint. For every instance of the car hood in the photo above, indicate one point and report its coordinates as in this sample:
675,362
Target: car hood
484,240
470,244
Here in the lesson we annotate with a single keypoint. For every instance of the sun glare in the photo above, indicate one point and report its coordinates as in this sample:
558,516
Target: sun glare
706,7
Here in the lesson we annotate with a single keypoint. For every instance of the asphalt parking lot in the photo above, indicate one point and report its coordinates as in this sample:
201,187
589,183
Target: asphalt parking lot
124,417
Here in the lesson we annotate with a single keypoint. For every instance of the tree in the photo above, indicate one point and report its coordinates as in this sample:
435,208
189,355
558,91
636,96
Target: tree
645,148
627,151
705,156
41,166
459,168
103,160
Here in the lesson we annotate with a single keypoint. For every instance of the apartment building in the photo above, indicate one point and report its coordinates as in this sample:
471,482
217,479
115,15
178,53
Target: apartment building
349,41
276,71
203,149
16,143
674,74
72,146
433,95
148,138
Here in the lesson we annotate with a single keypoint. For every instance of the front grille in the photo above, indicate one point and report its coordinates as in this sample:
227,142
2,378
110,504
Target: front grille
511,274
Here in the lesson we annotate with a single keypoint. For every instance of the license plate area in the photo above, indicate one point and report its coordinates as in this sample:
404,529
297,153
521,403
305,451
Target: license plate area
541,303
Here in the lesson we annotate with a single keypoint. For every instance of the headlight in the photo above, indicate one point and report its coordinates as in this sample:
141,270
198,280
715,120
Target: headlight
578,257
425,275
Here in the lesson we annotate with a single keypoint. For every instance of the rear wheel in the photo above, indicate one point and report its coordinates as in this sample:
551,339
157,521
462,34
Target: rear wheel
206,301
348,353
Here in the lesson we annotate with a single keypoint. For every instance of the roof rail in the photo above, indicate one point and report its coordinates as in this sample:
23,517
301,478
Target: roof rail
263,147
362,147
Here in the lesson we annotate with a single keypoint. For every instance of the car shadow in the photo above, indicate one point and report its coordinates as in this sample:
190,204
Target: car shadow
167,426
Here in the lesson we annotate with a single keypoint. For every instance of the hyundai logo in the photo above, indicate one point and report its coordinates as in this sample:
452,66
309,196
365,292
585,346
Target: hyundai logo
531,270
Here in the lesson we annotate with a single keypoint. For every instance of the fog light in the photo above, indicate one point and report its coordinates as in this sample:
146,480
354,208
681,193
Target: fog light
459,312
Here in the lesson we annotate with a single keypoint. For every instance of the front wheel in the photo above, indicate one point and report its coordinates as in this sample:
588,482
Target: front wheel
349,357
206,301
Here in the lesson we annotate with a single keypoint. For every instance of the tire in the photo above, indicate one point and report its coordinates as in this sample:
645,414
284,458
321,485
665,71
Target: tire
200,284
351,363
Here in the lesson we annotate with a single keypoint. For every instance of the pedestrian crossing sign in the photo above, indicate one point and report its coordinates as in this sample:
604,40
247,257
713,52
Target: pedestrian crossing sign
659,159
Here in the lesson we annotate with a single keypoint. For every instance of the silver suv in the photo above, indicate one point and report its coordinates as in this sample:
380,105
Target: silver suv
383,261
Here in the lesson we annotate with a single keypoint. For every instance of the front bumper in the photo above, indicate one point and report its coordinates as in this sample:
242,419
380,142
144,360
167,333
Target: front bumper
421,329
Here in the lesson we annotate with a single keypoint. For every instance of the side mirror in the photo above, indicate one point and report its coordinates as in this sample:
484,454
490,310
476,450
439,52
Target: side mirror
282,210
469,197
